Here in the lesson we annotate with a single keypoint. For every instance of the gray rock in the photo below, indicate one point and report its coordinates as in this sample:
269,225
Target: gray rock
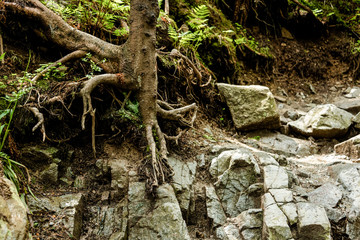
242,171
249,219
251,234
113,223
328,195
183,178
350,179
50,174
275,226
13,215
313,222
232,232
281,144
213,206
119,175
353,93
356,121
69,207
324,121
353,224
290,211
221,234
267,200
265,159
350,148
281,195
275,177
155,219
350,105
251,107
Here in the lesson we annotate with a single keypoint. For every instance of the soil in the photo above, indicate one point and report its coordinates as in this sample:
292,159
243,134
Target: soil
303,72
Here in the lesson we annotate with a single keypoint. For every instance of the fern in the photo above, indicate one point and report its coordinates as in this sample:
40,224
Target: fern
199,17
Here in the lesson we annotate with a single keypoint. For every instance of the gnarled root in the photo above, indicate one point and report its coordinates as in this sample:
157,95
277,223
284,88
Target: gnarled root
117,80
40,123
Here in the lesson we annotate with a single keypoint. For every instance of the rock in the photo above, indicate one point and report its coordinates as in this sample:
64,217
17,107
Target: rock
350,179
184,175
353,224
213,207
290,211
281,195
221,163
275,177
353,93
13,215
275,225
323,121
350,105
221,234
265,159
328,195
119,175
232,232
50,174
155,219
113,224
68,207
80,182
242,171
251,198
281,144
356,120
251,218
38,156
350,148
291,114
313,222
251,107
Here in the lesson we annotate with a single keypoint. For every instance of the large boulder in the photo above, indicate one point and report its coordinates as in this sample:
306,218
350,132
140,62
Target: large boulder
251,107
350,148
13,216
323,121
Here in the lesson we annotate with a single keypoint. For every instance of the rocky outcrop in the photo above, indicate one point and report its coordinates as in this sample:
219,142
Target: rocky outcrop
251,107
67,211
324,121
235,171
350,148
14,224
155,219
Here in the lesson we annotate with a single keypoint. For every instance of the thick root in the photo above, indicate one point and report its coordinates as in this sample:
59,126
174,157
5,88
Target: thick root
40,123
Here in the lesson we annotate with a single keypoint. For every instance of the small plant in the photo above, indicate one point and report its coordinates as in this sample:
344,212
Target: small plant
356,48
198,32
11,167
101,18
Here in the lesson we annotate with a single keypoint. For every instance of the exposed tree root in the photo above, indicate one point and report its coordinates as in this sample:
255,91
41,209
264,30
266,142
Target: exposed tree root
74,55
40,123
131,66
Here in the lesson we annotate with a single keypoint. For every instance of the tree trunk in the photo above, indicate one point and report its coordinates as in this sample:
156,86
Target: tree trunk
131,66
